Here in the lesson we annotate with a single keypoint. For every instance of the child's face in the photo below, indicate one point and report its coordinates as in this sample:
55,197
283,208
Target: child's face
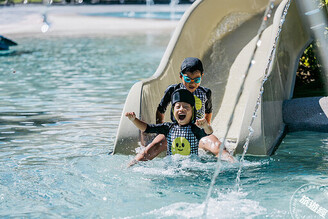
191,86
182,112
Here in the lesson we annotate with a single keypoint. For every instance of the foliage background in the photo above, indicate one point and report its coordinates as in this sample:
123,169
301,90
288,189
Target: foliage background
310,76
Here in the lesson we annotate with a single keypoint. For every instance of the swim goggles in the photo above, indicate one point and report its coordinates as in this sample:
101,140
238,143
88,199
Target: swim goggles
188,80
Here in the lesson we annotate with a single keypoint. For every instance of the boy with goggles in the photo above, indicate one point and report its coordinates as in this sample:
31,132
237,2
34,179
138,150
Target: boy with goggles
191,75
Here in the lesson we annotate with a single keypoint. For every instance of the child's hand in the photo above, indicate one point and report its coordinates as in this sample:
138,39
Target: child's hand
131,115
137,122
202,123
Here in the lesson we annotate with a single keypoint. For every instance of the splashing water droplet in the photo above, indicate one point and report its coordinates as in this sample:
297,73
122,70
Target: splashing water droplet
272,5
282,20
253,62
258,43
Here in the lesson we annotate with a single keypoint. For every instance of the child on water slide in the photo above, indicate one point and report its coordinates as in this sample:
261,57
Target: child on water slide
184,132
191,74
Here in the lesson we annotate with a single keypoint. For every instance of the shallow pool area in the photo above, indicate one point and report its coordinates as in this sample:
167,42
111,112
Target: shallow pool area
61,102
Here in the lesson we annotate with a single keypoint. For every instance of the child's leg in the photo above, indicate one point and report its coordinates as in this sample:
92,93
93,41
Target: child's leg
158,145
212,144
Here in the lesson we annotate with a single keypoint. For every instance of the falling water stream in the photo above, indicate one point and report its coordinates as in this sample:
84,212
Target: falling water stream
265,77
264,25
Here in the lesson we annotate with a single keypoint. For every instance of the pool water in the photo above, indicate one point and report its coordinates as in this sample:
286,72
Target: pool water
61,102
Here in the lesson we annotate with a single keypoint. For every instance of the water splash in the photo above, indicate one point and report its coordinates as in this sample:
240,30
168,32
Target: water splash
238,203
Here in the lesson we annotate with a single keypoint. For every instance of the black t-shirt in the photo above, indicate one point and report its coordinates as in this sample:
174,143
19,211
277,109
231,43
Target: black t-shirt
182,140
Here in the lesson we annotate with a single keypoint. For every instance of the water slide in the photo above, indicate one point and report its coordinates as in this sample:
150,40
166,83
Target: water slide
223,34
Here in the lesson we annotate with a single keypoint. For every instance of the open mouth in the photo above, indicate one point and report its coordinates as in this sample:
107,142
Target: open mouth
191,87
182,117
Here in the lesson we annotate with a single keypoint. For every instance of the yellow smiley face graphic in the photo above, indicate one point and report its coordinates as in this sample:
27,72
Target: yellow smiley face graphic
180,145
198,103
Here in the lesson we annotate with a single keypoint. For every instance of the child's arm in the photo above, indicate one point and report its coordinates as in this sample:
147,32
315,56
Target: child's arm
202,123
208,117
166,99
137,122
208,106
159,117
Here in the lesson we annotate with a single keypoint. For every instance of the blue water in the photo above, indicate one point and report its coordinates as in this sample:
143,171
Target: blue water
138,14
61,101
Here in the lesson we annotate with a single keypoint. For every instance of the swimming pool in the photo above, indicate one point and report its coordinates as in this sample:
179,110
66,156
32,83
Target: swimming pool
61,101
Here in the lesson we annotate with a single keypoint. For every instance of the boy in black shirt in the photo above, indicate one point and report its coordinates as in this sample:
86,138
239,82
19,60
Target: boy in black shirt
184,134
